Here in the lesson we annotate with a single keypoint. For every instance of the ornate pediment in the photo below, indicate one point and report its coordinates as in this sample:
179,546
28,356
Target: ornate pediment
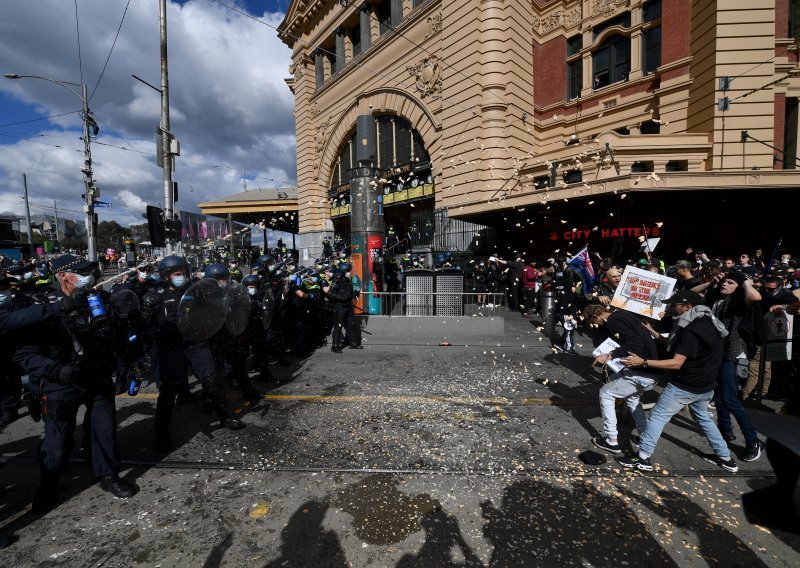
607,7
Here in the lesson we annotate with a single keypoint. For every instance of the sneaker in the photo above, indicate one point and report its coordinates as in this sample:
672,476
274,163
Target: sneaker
633,461
604,444
489,305
727,465
753,451
728,436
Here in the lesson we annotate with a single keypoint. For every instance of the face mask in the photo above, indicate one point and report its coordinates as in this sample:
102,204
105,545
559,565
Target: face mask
27,276
84,281
143,275
222,283
178,281
5,297
271,268
251,290
314,278
233,265
154,277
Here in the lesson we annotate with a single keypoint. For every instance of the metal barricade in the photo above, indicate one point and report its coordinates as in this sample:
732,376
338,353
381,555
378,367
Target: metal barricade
449,292
419,284
547,310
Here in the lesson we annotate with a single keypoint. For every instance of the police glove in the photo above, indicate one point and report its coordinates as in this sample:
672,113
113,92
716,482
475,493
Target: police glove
66,373
75,301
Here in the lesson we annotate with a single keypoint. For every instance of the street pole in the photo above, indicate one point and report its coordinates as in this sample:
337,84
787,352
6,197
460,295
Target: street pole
58,235
166,135
87,179
232,246
28,212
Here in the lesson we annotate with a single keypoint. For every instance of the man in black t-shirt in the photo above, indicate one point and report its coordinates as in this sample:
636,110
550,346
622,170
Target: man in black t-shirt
696,346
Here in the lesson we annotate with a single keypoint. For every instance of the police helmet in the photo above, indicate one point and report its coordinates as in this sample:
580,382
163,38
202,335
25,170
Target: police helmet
217,271
172,263
345,266
263,260
251,280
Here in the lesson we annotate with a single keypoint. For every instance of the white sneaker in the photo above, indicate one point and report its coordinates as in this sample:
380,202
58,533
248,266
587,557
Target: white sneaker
489,305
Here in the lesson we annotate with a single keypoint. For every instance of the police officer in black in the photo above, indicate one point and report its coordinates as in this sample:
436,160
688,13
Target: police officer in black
340,294
565,279
71,358
254,339
175,354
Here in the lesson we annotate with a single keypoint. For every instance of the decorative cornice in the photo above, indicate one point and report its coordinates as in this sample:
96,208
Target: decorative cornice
606,7
559,18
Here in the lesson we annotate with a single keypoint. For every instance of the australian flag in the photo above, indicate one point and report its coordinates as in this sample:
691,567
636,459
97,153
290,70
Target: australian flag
583,265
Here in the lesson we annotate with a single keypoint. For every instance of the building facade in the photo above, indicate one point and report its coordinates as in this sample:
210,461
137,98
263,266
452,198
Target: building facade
550,123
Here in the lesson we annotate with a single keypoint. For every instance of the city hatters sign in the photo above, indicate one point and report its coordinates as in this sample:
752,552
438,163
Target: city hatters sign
605,233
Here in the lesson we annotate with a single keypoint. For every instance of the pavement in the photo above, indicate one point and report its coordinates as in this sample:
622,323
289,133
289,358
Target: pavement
406,453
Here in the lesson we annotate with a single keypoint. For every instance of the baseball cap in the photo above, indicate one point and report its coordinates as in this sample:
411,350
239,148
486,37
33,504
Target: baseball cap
70,263
685,297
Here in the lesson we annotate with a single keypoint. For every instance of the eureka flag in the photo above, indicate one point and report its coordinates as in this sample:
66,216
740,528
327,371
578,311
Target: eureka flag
582,263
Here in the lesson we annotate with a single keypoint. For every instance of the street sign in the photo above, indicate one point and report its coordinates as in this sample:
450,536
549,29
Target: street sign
779,337
102,204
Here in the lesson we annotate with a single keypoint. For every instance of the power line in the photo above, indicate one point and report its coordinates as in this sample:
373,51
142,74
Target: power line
37,119
111,51
39,142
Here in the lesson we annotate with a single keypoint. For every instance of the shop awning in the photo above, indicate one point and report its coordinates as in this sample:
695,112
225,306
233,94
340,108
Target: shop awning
274,208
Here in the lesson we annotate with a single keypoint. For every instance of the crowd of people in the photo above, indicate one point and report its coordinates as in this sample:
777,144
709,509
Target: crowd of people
70,340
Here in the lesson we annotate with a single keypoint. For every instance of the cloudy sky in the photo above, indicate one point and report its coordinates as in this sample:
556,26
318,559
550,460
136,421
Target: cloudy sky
229,105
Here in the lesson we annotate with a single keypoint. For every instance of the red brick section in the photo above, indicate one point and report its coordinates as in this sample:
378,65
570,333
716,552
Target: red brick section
780,122
781,19
549,71
676,27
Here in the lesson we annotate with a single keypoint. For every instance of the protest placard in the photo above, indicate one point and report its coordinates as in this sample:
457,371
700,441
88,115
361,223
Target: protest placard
643,292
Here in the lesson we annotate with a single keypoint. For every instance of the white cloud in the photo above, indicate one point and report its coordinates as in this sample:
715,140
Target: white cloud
229,104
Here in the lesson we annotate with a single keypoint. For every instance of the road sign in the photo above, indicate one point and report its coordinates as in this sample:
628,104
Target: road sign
779,337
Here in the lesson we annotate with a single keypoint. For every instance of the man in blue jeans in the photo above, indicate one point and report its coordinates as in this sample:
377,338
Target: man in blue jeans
696,346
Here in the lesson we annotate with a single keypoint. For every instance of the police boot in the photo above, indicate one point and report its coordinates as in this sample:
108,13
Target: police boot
45,497
249,392
221,409
337,347
117,487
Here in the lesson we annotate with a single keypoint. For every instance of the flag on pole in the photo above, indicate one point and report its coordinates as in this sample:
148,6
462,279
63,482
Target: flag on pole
582,263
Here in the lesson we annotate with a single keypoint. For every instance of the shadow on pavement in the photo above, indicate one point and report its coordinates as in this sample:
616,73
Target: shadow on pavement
539,524
305,543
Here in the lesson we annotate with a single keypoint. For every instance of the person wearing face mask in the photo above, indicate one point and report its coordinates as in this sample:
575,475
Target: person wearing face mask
228,349
177,355
71,359
233,270
254,339
772,294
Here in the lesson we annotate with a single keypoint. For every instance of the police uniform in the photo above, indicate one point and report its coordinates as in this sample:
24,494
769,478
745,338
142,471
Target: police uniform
72,358
176,355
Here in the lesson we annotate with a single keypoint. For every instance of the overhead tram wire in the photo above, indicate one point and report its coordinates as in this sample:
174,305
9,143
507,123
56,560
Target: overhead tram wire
114,43
78,34
37,119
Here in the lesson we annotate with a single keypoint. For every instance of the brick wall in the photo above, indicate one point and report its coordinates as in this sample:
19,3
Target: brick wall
549,72
675,30
780,123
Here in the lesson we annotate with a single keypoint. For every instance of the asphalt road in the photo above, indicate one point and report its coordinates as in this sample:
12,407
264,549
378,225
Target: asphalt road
407,453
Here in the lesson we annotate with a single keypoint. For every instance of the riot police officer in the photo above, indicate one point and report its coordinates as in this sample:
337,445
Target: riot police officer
72,358
227,349
565,279
340,295
175,354
254,339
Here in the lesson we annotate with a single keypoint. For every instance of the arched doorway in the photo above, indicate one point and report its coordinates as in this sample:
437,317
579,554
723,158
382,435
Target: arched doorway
405,181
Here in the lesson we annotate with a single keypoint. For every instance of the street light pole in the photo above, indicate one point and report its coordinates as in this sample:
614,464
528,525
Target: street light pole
87,180
28,212
166,134
90,191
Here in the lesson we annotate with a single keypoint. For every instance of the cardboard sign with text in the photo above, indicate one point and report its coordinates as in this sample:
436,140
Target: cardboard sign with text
643,292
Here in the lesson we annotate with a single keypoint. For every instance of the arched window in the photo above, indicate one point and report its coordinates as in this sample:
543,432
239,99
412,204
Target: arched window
612,61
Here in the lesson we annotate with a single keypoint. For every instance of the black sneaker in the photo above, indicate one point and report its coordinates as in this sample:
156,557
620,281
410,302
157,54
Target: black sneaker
727,465
728,436
633,461
603,444
117,487
753,451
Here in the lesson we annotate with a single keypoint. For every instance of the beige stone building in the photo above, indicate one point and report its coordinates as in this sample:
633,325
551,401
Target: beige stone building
542,125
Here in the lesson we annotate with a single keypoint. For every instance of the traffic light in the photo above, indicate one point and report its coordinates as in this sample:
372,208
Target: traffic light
173,229
155,226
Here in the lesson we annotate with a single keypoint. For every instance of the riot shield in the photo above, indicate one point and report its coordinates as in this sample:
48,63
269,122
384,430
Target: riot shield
267,308
238,301
202,310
